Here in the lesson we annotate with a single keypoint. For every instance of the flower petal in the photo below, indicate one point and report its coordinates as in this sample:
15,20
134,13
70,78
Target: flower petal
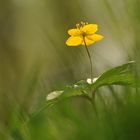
95,37
88,41
90,28
74,41
74,32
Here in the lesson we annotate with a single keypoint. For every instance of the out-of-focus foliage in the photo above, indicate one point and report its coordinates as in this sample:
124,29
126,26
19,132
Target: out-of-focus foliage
34,60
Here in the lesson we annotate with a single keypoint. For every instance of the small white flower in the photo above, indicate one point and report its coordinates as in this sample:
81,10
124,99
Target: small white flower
91,81
53,95
95,79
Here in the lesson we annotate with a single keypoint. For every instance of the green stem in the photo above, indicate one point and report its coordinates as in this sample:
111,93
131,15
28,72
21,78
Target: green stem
92,98
88,56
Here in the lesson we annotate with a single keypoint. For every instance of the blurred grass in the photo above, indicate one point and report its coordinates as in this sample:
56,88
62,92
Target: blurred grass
34,60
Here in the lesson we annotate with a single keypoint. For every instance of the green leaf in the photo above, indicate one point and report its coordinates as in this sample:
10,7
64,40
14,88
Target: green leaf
121,75
81,88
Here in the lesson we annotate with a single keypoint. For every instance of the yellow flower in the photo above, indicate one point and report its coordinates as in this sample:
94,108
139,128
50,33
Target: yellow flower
83,34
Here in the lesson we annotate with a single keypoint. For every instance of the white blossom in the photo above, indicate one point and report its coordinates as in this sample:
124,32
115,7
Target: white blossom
91,81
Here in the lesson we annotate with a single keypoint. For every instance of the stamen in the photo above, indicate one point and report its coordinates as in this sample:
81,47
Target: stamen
78,26
83,23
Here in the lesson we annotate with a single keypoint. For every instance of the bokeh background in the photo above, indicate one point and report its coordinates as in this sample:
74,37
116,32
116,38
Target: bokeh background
34,60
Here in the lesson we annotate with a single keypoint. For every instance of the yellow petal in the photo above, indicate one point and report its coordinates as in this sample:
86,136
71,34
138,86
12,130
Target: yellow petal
74,32
95,37
74,41
90,28
88,41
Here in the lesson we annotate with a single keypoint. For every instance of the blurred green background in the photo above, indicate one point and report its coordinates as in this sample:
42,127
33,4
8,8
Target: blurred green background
34,60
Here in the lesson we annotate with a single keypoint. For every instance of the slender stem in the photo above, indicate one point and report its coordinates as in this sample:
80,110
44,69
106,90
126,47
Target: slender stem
92,99
88,56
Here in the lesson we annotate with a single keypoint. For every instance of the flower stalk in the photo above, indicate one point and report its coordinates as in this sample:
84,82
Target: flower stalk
89,56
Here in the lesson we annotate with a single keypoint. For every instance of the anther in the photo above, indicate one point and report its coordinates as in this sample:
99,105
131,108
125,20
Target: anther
78,26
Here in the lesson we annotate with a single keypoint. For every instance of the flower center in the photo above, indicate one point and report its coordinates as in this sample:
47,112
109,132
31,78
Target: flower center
80,26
